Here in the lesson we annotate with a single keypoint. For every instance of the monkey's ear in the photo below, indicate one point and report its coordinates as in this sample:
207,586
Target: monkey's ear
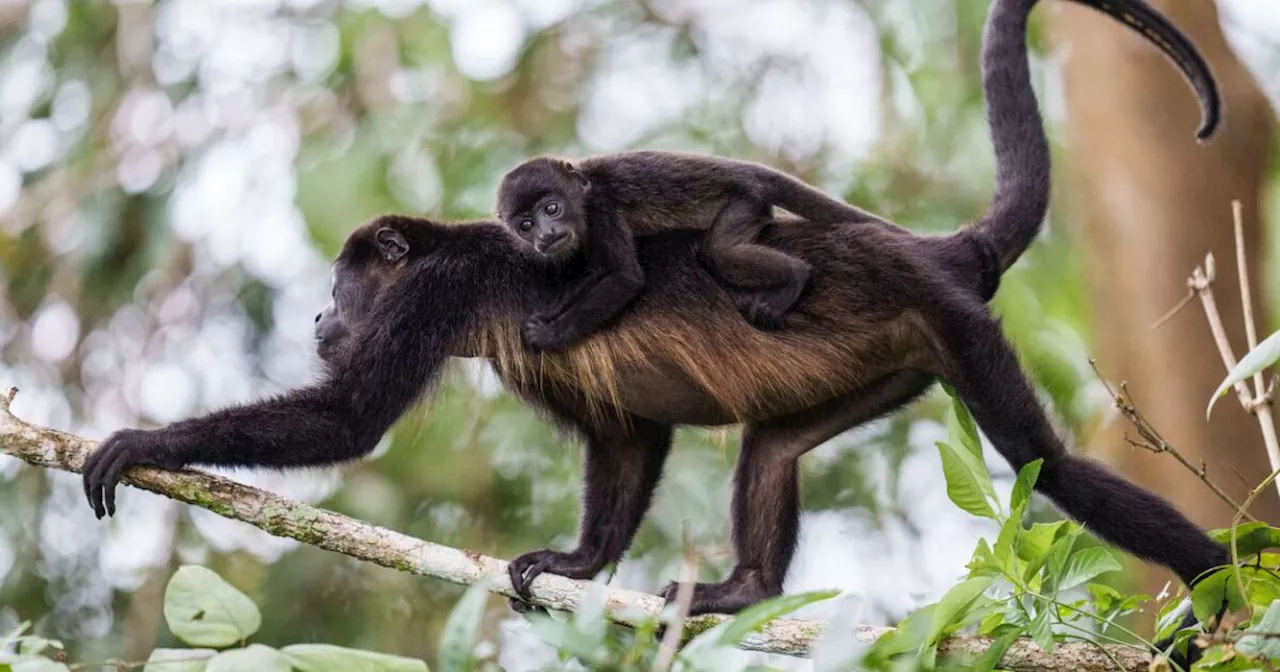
576,174
391,244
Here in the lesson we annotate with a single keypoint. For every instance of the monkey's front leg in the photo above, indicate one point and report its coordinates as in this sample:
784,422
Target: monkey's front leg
623,465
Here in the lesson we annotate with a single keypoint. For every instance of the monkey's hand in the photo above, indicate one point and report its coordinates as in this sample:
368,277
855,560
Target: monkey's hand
575,565
540,333
126,448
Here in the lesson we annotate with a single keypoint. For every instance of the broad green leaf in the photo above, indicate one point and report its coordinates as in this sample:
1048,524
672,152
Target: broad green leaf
908,636
179,660
254,657
1059,553
203,610
1268,647
1034,543
962,430
967,481
329,658
1208,595
1250,537
991,657
954,606
983,562
458,640
1086,565
1023,487
1006,541
1258,359
757,615
1041,629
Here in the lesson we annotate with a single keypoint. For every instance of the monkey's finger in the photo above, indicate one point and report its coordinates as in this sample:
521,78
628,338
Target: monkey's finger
527,577
112,477
86,474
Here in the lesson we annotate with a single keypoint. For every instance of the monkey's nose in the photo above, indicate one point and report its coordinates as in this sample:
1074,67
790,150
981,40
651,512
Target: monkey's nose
550,239
318,316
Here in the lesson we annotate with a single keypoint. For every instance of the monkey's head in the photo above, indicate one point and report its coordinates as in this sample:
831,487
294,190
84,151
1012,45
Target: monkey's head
543,202
372,259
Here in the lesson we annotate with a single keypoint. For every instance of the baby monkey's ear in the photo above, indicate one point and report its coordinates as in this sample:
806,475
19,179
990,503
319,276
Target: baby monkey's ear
573,171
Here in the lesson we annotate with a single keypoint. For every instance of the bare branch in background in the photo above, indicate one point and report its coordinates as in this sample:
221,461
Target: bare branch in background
1152,439
283,517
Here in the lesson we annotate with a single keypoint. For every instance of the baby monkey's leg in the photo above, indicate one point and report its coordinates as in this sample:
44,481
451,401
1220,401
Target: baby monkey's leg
765,282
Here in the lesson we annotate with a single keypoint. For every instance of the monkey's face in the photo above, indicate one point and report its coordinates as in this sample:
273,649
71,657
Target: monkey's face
368,264
553,227
543,202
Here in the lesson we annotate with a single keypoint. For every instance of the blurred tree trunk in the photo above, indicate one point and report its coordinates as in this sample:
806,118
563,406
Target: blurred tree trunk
1148,202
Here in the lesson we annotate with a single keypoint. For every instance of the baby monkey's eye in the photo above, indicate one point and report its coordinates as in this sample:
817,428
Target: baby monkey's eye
553,208
526,225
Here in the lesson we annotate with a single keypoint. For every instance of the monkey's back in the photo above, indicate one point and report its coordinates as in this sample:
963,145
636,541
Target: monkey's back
683,353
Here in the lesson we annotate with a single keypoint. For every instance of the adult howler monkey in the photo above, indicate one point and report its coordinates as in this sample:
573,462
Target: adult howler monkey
598,204
887,313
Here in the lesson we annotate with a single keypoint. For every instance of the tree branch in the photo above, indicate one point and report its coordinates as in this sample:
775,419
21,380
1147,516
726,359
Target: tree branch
283,517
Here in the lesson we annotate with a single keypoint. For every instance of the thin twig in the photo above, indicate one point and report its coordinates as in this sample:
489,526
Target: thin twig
1152,440
1177,308
1261,392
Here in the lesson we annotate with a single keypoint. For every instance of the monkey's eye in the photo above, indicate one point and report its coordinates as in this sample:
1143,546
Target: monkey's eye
526,225
553,208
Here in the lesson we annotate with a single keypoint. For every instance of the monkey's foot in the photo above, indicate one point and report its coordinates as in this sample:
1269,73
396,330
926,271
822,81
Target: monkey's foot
575,565
727,597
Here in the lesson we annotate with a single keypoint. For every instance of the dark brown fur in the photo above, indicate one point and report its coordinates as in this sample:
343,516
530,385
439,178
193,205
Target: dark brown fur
886,313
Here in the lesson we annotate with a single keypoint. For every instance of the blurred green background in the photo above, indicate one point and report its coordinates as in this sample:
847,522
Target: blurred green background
175,176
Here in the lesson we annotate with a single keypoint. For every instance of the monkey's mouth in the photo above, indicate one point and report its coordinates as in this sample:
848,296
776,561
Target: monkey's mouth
556,249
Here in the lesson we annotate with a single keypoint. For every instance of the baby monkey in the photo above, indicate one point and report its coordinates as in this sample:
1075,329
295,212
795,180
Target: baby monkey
600,203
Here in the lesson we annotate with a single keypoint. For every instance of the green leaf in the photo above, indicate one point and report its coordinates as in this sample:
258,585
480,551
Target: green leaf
179,660
1042,629
962,430
1268,647
1056,560
1210,592
968,483
255,657
991,657
757,615
1258,359
1023,487
458,640
1250,538
954,606
329,658
1086,565
203,610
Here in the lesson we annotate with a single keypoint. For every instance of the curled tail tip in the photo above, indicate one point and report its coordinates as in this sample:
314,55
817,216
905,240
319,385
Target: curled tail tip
1208,125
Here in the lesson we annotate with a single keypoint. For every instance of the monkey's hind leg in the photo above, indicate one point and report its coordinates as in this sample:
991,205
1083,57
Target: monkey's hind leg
764,282
766,493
